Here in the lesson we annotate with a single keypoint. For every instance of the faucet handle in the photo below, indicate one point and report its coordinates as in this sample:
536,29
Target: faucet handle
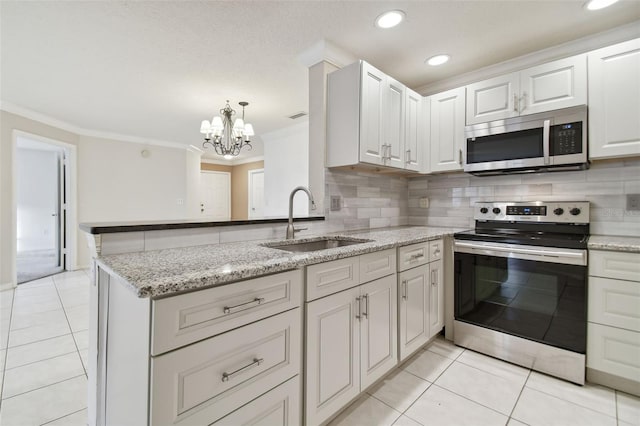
299,229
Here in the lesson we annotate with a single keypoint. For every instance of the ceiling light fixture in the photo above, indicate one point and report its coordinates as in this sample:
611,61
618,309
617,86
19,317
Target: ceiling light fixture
390,19
437,60
226,135
599,4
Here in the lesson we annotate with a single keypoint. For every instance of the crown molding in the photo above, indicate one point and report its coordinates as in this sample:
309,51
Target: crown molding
232,163
574,47
71,128
325,51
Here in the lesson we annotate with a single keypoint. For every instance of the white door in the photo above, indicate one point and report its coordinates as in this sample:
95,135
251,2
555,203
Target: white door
614,101
436,298
413,131
378,329
447,130
414,309
394,102
256,193
332,376
372,115
555,85
215,195
493,99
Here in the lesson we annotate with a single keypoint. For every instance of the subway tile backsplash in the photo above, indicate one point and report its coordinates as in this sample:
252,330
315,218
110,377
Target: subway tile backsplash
606,184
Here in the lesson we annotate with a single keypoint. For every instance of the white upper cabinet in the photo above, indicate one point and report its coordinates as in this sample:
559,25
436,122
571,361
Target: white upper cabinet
372,119
447,130
555,85
614,100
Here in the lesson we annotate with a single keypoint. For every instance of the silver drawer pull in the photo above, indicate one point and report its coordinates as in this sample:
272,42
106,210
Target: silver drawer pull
241,307
365,313
436,251
434,277
404,289
256,362
416,257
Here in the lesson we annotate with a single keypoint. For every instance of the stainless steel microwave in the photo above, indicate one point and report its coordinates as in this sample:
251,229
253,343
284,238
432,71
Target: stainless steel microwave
549,141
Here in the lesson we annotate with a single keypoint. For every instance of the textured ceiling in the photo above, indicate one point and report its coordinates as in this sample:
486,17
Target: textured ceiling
156,69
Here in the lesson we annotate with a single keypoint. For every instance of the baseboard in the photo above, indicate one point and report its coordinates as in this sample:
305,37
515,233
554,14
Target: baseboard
7,286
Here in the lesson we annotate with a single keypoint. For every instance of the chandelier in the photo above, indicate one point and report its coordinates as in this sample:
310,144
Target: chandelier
226,135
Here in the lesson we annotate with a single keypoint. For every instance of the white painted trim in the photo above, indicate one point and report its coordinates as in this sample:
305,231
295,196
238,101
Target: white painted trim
324,50
229,192
71,227
45,119
7,286
571,48
250,189
232,163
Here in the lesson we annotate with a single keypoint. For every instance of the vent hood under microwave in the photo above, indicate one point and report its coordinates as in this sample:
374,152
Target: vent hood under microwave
549,141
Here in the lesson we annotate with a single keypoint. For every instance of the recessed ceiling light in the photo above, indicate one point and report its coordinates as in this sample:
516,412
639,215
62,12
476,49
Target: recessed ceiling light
437,60
389,19
599,4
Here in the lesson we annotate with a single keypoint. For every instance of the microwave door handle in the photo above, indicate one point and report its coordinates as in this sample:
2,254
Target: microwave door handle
545,140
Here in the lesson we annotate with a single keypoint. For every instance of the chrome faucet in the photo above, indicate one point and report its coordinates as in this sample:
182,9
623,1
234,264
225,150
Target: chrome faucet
290,229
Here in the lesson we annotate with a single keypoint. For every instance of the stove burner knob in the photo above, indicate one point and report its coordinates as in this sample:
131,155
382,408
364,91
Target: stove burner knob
484,210
496,210
558,211
575,211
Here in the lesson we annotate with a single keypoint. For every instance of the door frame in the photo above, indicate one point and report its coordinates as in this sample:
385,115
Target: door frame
70,188
229,196
250,188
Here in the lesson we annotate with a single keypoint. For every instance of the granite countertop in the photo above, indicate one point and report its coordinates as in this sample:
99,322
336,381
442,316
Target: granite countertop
614,243
165,272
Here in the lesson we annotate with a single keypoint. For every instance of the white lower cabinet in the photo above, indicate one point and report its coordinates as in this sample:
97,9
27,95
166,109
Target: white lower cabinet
351,342
436,298
278,407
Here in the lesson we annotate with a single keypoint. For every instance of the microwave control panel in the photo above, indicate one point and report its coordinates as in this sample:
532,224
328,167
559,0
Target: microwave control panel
566,139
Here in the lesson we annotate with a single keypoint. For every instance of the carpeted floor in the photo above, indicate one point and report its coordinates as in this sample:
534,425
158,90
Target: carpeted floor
35,264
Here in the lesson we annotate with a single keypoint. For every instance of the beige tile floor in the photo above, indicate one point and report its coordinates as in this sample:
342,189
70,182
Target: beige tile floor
43,353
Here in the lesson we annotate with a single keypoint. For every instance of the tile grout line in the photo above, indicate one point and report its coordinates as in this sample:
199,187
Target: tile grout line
615,400
70,329
518,398
44,387
6,354
40,360
59,418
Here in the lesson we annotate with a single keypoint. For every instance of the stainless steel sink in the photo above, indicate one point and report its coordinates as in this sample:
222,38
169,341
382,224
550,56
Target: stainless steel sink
316,244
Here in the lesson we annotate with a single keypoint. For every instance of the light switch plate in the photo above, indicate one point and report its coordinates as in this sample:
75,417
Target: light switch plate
633,202
336,203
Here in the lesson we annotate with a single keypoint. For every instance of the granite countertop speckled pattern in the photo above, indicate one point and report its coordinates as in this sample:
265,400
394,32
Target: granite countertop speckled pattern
614,243
165,272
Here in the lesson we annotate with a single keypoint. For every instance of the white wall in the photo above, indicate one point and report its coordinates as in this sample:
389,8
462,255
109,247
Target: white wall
36,198
286,165
192,199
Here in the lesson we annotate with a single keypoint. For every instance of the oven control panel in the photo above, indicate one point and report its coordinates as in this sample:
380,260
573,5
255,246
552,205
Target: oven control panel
533,211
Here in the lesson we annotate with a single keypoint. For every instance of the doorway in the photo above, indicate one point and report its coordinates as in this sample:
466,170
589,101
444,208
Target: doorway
41,213
215,195
256,194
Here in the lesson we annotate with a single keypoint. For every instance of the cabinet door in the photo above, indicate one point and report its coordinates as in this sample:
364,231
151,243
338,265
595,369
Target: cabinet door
413,302
379,339
614,351
555,85
493,99
614,101
413,131
372,110
447,130
332,376
394,125
436,298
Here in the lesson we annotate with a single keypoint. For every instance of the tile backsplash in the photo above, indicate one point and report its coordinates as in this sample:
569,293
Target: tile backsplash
451,196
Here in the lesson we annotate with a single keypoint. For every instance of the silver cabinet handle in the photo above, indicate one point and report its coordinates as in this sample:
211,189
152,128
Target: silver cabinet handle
365,313
404,289
460,156
434,277
515,102
242,306
407,156
256,362
416,256
524,101
436,251
359,315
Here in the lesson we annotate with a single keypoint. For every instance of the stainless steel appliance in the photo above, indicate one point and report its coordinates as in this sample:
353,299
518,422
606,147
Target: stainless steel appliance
550,141
521,285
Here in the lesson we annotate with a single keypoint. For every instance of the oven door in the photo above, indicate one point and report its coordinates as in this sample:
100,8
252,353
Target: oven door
536,293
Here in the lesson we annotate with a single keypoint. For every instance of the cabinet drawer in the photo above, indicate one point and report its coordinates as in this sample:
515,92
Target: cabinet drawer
614,302
188,318
412,256
203,382
612,264
327,278
435,250
377,265
614,351
278,407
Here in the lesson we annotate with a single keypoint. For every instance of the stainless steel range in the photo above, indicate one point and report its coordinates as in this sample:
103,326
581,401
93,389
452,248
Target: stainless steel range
521,285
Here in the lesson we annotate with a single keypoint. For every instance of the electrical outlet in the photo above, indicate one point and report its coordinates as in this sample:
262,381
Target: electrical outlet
336,203
179,201
424,203
633,202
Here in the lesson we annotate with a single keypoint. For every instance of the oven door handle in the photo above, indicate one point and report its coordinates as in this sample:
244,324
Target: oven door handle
573,257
